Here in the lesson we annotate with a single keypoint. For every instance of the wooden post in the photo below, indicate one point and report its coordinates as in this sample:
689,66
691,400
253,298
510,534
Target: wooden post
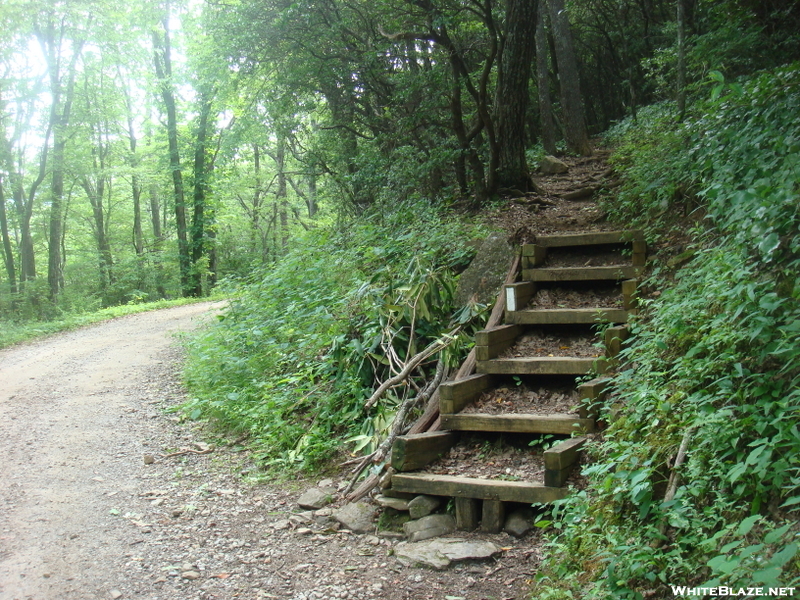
466,514
492,518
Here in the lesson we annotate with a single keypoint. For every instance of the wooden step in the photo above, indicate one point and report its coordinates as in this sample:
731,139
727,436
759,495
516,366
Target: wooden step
566,316
613,273
484,489
517,423
542,365
594,238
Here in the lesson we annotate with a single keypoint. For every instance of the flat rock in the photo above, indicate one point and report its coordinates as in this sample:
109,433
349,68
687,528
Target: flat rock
422,506
357,517
316,498
519,522
440,554
550,165
190,575
395,503
429,527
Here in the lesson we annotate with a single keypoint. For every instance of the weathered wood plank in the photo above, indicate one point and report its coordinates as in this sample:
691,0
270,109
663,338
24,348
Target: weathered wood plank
411,452
455,395
519,423
466,514
535,254
546,365
496,335
490,343
595,238
629,293
612,273
639,259
559,461
563,454
614,340
485,489
492,516
591,394
518,295
567,316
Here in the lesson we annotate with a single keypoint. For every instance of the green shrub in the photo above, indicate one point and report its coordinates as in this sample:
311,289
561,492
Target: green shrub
300,349
714,362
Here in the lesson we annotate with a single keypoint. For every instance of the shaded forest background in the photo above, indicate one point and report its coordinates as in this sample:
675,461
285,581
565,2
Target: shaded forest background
324,165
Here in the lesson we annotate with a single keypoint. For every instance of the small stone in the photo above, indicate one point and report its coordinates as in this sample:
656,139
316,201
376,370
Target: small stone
519,522
282,524
190,575
550,165
316,498
326,483
303,531
429,527
115,594
177,512
422,506
149,459
357,517
323,512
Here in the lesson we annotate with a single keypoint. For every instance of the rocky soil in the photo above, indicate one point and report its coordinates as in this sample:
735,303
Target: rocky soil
106,494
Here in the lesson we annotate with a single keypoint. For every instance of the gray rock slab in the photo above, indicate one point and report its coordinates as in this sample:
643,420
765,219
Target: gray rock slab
487,271
441,553
429,527
395,503
316,498
422,506
357,517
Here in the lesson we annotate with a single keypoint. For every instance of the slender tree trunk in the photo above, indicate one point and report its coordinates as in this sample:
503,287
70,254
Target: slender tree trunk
8,253
155,215
60,123
575,132
201,184
511,105
163,65
681,66
280,195
548,129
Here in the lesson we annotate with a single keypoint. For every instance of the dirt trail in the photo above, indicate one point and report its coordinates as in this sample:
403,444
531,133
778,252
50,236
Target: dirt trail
72,443
82,517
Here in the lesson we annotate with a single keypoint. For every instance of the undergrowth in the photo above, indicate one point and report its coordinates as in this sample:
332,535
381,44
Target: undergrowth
292,362
713,365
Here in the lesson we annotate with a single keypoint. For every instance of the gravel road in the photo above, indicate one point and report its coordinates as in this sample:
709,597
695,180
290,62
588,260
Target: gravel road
83,517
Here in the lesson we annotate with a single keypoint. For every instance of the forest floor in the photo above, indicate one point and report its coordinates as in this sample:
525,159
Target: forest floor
106,494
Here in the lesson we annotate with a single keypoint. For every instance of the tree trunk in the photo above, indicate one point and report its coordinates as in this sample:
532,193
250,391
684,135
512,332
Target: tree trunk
8,253
163,65
201,184
577,137
511,104
548,131
681,66
59,120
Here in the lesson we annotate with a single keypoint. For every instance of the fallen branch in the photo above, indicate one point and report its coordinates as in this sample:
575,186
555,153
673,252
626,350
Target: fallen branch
675,477
429,421
412,364
397,425
182,452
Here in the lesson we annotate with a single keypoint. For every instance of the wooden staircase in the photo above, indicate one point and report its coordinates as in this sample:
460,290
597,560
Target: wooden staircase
598,271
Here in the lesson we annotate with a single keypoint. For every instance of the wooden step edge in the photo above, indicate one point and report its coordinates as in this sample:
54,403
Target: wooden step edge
566,316
560,460
455,395
596,238
611,273
542,366
418,450
560,424
482,489
592,393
